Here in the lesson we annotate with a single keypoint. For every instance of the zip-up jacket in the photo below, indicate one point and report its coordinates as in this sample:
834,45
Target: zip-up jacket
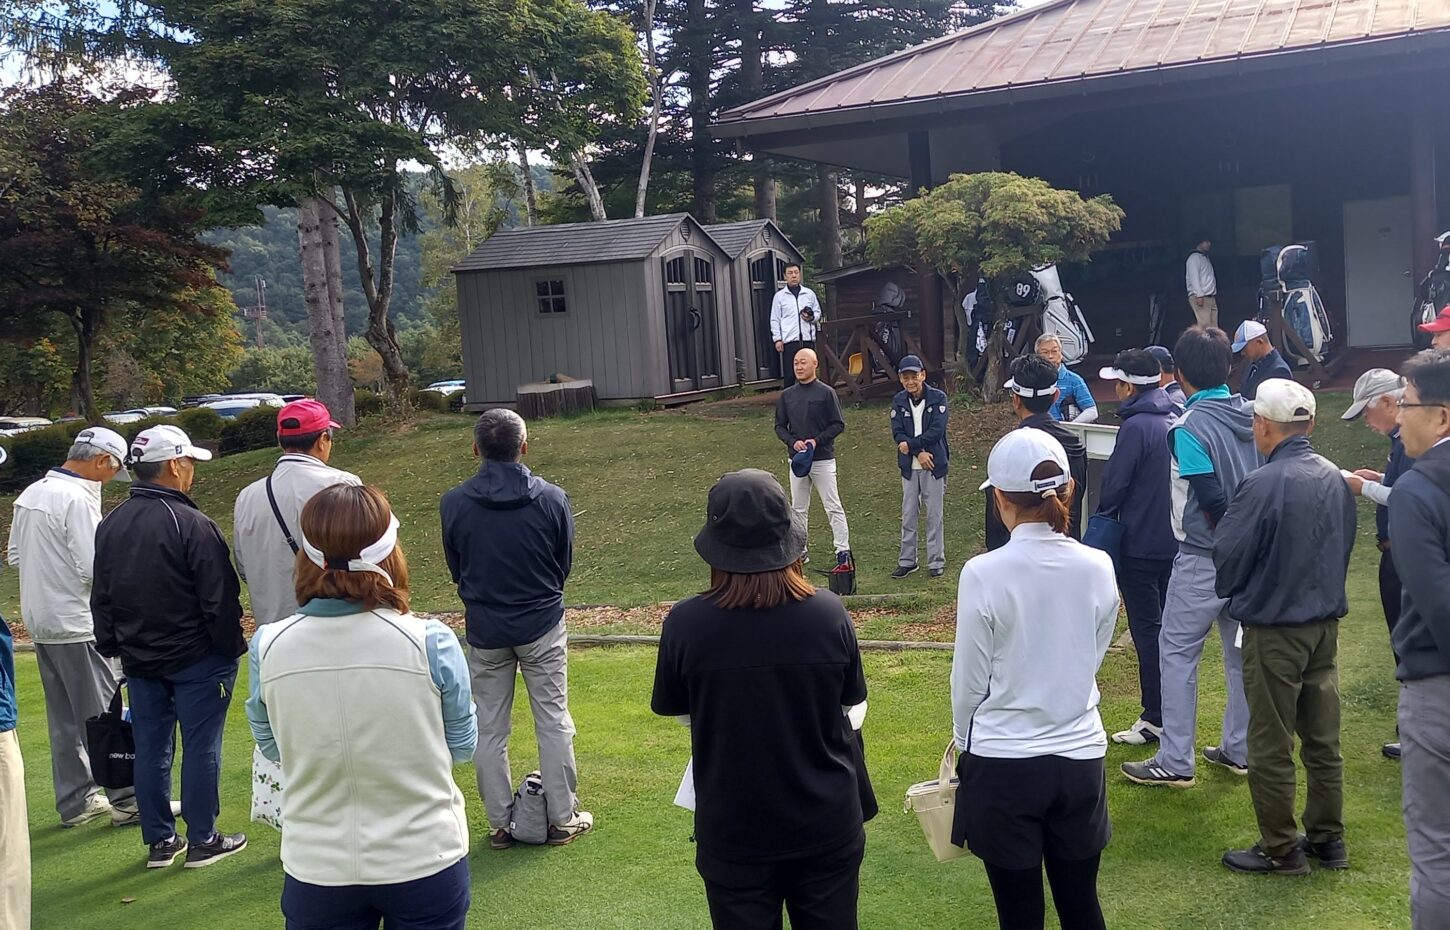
786,324
933,437
810,411
53,543
1420,546
165,594
7,678
1222,425
508,537
1136,488
1281,554
1269,367
997,534
1396,465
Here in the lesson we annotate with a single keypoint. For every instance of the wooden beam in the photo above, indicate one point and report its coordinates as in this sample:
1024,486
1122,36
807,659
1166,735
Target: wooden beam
1424,206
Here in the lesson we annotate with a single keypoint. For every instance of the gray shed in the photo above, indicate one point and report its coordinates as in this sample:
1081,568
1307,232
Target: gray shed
640,307
758,252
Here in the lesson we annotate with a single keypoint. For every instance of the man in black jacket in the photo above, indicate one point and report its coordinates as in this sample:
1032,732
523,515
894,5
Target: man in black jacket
919,428
165,599
1420,528
1033,388
508,537
1251,340
808,419
1281,556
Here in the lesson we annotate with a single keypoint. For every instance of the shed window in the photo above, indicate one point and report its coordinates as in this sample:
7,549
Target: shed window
550,295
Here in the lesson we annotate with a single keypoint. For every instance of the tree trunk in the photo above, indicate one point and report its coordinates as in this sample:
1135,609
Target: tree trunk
997,347
579,164
377,285
325,334
84,324
752,83
765,191
830,207
531,197
963,333
346,410
657,99
697,46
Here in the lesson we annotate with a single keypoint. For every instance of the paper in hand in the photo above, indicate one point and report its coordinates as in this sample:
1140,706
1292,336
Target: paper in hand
685,797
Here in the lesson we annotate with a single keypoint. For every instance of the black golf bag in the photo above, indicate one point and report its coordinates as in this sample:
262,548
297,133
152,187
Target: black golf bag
891,299
1433,293
1287,278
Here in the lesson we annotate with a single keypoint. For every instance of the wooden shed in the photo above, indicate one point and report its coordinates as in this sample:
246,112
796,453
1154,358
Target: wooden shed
758,252
641,307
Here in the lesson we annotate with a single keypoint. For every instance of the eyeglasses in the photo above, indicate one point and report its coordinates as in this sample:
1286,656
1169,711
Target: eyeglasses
1402,405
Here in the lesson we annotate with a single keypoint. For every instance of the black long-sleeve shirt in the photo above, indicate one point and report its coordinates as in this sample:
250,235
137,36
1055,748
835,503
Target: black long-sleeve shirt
1420,545
810,411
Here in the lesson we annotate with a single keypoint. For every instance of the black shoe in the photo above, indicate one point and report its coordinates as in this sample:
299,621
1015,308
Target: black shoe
165,852
903,570
1255,861
1391,750
938,572
1215,755
1330,853
216,849
500,839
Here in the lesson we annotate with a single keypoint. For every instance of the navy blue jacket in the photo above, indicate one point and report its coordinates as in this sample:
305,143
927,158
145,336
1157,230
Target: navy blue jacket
933,436
1136,484
1420,545
1270,366
7,678
508,537
1398,464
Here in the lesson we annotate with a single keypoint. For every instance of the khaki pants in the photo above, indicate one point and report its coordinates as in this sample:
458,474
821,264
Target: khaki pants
1205,310
14,837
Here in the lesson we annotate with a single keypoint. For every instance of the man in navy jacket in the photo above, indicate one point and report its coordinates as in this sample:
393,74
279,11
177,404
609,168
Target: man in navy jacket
1136,491
919,426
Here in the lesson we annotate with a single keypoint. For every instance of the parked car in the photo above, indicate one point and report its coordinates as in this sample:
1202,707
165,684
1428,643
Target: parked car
199,400
11,426
448,388
154,411
123,416
231,406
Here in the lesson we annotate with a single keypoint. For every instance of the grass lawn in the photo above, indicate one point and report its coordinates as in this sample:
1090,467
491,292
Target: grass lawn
638,481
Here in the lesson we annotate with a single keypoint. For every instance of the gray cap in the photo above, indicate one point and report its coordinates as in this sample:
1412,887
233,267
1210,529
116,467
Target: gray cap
1372,384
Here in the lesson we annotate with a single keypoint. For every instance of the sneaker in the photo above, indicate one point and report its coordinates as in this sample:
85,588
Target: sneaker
215,850
96,806
562,834
1139,734
1391,750
903,570
1215,755
938,572
500,839
127,814
1151,773
1330,853
1255,861
805,558
843,557
165,852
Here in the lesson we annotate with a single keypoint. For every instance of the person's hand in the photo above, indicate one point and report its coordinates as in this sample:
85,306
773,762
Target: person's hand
779,346
1384,545
1369,474
926,460
905,449
812,443
800,445
1356,484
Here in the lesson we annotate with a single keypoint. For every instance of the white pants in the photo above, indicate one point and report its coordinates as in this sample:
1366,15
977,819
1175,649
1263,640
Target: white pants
823,479
14,837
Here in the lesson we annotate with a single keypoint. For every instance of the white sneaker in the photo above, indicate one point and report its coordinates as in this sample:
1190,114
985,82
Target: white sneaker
96,806
1140,733
562,834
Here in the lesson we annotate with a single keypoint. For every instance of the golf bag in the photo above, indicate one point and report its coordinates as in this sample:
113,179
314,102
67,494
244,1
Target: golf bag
1295,268
1433,294
891,299
1061,315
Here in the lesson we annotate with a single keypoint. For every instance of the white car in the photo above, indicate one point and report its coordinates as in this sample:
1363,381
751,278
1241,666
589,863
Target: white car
448,388
234,405
123,416
11,426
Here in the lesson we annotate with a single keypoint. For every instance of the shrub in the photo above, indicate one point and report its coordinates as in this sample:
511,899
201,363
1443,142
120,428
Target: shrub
255,429
202,424
367,404
429,400
34,453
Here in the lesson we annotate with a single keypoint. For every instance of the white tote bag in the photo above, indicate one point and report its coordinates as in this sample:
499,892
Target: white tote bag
266,790
934,803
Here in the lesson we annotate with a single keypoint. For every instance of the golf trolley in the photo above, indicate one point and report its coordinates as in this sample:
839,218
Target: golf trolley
1291,308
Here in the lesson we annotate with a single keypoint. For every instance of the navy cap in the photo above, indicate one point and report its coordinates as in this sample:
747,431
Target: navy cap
801,462
1164,357
910,363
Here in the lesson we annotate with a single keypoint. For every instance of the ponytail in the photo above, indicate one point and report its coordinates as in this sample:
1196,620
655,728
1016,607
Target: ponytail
1052,506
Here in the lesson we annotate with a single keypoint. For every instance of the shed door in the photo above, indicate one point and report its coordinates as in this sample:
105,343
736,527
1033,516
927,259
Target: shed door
766,274
692,321
1378,285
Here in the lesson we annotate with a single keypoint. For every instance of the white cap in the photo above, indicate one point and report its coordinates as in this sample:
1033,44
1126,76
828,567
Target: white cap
1118,374
164,443
1374,383
1284,401
1017,455
107,440
1248,331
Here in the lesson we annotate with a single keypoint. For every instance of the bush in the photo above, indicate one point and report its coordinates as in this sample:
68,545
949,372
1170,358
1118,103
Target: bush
367,404
32,454
202,424
429,400
255,429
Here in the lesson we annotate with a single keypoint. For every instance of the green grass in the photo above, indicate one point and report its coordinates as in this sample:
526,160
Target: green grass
639,481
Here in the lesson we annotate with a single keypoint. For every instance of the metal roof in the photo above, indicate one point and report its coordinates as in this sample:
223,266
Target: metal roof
734,237
575,243
1066,42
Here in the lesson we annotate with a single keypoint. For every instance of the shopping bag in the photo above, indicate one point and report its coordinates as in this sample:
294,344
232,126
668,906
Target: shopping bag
111,746
934,803
266,790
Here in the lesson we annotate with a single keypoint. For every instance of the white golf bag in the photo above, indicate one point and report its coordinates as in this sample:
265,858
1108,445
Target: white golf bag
1303,308
1061,316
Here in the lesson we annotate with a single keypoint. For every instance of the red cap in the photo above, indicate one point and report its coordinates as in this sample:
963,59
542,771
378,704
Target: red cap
302,417
1440,324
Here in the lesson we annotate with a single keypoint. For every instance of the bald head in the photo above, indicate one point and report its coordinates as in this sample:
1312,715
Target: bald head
805,365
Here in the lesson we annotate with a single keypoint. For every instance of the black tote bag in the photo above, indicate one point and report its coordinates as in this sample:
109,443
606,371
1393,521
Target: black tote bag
111,746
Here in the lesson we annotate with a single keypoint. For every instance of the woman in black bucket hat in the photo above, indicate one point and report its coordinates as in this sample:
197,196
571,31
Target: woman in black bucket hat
763,667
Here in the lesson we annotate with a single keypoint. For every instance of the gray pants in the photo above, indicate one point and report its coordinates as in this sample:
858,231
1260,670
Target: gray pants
78,685
1425,761
922,487
1188,617
544,664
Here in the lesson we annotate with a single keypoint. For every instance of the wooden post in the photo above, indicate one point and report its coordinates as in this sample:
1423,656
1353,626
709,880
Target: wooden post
1424,207
928,287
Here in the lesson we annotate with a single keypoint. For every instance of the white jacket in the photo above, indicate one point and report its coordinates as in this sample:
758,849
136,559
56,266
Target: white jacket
1034,620
786,324
1198,276
264,560
53,542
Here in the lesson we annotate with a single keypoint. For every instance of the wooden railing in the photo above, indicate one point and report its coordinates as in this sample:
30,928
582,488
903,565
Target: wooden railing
878,374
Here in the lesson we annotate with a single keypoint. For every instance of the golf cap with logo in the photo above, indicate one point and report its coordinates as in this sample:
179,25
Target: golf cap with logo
1284,401
164,443
910,363
107,440
1248,331
1440,324
1374,383
304,417
1016,456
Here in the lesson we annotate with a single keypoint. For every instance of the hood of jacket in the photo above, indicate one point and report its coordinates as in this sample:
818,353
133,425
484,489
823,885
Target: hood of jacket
1234,413
503,486
1155,400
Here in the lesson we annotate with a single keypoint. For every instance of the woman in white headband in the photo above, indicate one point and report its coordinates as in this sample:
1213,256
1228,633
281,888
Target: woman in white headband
1034,619
367,709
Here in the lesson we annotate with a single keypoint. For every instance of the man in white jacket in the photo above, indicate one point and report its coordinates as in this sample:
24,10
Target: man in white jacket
795,319
53,543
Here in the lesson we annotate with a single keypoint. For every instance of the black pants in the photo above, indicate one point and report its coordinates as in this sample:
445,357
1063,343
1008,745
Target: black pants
1020,905
1390,592
787,362
1144,585
820,892
437,902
